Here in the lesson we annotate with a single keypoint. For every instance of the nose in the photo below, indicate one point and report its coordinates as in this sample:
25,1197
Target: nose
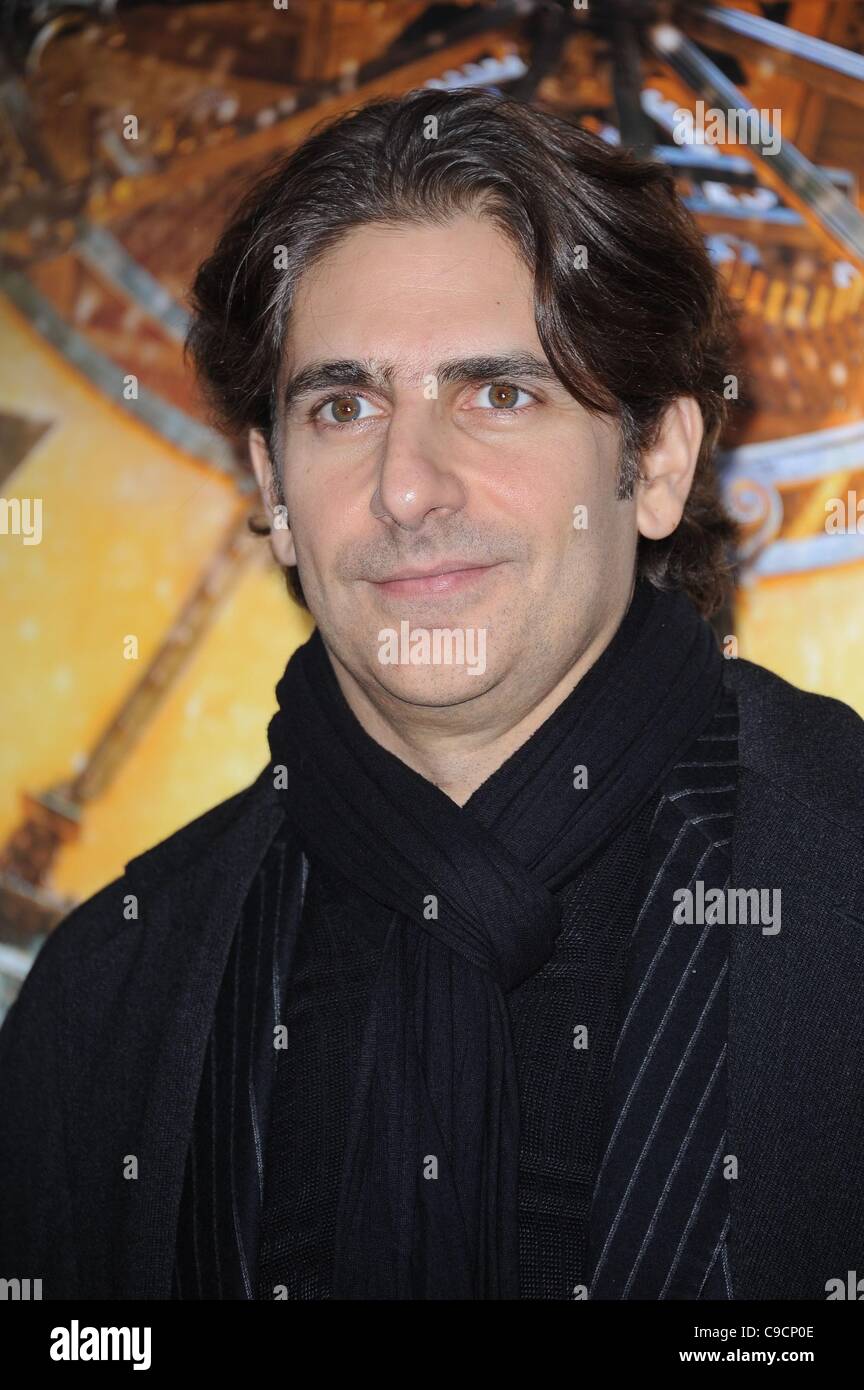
414,478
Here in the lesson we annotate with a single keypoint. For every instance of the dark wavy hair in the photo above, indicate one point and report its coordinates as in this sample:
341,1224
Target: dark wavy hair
643,321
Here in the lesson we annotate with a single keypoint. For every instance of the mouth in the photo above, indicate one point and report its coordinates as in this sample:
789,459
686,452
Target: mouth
446,577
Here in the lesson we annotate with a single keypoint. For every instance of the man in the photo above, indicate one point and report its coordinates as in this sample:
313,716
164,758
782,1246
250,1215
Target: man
529,966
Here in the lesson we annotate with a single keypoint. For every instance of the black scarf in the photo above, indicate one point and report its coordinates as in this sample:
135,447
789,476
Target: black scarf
470,891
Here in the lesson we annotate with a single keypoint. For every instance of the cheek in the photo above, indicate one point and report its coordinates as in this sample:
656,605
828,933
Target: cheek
326,523
309,499
542,492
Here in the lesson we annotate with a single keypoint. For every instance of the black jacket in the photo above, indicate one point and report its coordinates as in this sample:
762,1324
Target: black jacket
101,1054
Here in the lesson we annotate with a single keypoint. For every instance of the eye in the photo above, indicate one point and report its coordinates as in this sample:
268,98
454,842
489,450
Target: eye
503,396
346,410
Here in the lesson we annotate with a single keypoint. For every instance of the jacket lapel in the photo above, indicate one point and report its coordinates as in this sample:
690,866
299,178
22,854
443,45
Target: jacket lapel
660,1209
190,917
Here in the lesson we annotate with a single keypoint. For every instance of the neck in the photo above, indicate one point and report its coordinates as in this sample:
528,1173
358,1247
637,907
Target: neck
457,758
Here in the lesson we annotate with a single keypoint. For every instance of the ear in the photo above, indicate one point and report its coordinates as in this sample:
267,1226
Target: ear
281,539
666,470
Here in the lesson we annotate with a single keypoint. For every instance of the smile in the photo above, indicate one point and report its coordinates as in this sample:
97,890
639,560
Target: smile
442,581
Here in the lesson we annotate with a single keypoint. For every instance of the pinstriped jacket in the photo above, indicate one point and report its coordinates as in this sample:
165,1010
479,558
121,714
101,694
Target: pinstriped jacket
101,1054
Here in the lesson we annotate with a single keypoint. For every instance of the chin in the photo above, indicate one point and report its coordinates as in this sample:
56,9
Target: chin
434,687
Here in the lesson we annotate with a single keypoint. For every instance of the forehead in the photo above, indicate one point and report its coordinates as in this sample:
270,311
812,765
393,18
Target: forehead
411,292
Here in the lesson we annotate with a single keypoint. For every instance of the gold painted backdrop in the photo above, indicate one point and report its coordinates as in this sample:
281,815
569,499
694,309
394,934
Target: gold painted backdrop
142,627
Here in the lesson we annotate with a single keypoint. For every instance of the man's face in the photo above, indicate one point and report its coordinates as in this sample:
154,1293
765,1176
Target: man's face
441,491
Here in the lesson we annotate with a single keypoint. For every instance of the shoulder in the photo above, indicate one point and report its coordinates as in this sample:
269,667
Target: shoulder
812,745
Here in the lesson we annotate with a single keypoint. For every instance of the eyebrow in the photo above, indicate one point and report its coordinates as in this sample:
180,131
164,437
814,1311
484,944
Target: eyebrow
375,376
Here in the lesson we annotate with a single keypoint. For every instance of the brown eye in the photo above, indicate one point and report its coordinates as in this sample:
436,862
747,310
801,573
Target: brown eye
345,409
504,395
